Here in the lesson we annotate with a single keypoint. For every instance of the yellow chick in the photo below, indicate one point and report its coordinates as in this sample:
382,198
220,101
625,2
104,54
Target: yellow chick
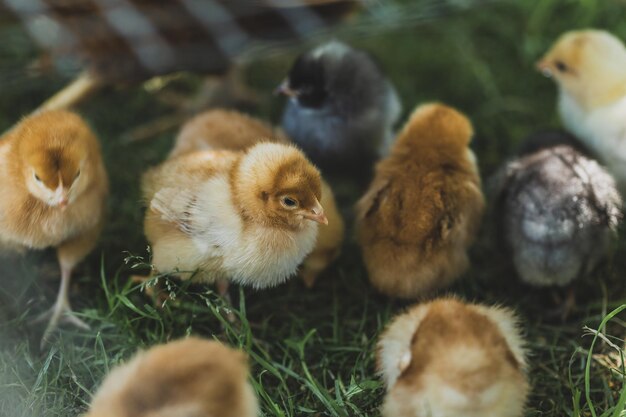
53,189
589,67
447,358
424,206
234,131
191,377
249,217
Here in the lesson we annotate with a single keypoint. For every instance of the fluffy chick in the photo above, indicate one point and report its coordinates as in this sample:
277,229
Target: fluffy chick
588,67
424,206
53,188
447,358
191,377
249,217
224,130
341,107
559,210
234,131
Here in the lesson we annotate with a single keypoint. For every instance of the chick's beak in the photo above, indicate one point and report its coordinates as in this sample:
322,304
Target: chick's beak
544,67
316,214
64,201
285,90
63,196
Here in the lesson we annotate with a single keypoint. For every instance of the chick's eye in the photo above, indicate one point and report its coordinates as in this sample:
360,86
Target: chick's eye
37,178
289,202
560,66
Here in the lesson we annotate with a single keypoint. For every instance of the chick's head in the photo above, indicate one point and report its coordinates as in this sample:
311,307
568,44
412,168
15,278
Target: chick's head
54,150
276,184
586,63
337,75
437,125
306,82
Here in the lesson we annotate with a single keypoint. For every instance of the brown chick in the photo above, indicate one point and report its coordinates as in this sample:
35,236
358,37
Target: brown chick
249,217
424,206
191,377
231,130
447,358
53,189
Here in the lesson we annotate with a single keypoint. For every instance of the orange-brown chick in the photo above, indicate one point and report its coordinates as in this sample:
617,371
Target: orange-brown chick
234,131
424,206
447,358
191,377
53,188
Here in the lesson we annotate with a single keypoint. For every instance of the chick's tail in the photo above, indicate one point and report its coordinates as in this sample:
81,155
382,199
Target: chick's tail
407,272
473,378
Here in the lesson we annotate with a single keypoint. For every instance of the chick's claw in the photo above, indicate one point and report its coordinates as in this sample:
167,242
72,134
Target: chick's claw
308,278
222,289
60,313
155,290
565,304
57,316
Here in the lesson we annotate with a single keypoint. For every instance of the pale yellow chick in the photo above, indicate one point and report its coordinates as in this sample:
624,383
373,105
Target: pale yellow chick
589,67
447,358
249,217
186,378
234,131
424,206
53,189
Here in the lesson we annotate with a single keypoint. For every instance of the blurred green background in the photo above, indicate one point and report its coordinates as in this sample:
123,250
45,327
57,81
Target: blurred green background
312,352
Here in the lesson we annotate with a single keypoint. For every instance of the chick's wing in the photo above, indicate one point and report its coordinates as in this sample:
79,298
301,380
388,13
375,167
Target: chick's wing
175,206
426,211
408,217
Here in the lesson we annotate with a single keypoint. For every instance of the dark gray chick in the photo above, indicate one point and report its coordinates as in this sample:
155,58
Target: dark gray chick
341,107
559,210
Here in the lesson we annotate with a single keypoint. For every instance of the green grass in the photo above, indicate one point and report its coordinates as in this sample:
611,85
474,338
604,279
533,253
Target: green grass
312,352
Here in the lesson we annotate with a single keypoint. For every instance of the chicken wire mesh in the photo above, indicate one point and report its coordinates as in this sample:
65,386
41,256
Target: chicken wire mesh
129,40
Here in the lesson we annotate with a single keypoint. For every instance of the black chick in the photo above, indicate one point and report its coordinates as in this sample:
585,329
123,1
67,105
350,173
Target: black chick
558,208
341,108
